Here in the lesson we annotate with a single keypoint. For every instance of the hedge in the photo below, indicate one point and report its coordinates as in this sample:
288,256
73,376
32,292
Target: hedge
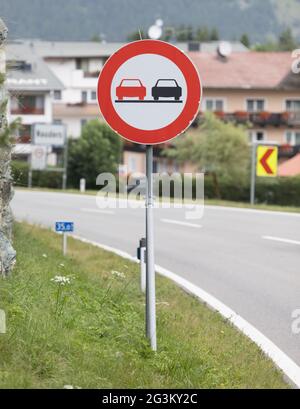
39,178
280,191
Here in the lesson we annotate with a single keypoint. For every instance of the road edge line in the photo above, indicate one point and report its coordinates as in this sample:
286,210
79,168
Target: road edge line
281,360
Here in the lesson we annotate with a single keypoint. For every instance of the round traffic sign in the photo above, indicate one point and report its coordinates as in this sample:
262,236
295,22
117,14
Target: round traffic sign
149,92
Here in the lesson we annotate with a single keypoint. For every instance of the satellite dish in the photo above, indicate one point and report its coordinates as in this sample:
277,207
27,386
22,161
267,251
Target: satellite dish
224,49
159,22
155,32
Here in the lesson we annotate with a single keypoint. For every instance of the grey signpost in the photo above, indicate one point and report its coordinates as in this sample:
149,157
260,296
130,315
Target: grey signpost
255,145
253,173
133,112
150,268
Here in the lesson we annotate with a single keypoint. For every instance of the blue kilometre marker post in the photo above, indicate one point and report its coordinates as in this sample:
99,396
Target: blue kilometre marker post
64,228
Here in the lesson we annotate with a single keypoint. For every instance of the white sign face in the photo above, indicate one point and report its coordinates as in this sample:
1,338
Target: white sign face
152,100
49,134
149,92
38,157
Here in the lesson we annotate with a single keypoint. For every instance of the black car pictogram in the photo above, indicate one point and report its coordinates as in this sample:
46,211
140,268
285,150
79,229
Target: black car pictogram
166,88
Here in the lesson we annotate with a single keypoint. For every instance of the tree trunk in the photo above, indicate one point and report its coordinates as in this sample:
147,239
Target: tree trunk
7,253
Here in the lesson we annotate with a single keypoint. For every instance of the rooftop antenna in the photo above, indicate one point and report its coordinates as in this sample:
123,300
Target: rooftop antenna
155,31
224,49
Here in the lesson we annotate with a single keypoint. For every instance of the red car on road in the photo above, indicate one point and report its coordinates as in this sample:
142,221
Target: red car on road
131,88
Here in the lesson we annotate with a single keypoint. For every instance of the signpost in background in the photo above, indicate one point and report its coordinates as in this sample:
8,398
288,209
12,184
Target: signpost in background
50,136
38,160
64,228
149,92
264,163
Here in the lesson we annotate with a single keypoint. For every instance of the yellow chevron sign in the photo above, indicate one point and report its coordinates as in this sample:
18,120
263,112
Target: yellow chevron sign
267,161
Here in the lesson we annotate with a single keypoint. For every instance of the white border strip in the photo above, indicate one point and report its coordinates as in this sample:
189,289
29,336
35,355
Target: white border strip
283,361
180,223
282,240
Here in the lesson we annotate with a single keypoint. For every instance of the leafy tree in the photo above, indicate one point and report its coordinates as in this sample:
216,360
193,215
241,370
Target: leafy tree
202,34
168,34
287,41
181,33
214,35
217,148
245,40
137,35
98,150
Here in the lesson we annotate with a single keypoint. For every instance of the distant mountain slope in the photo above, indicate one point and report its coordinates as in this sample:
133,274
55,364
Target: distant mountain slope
81,19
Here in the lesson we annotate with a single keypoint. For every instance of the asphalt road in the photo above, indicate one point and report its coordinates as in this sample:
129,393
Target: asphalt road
249,260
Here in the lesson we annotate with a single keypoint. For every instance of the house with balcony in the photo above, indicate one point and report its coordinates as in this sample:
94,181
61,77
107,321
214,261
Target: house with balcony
256,88
31,87
77,65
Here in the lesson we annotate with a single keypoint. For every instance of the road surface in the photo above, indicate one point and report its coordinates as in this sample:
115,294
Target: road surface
249,260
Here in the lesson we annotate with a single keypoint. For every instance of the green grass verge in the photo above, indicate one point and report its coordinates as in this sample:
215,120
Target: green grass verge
212,202
90,333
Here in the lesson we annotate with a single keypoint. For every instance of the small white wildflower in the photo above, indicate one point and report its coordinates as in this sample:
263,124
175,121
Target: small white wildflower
71,387
61,265
118,274
45,255
61,280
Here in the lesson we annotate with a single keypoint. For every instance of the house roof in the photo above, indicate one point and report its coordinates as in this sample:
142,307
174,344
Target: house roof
27,71
251,70
290,167
88,49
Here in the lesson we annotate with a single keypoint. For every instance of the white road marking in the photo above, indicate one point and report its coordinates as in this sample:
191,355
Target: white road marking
101,211
171,221
289,241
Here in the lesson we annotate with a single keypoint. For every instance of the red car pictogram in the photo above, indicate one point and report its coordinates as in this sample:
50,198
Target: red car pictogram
131,88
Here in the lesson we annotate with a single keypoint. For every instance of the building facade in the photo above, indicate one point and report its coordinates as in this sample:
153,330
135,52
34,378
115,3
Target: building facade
57,81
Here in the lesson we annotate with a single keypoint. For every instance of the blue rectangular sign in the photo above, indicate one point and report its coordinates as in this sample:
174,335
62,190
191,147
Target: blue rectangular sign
64,227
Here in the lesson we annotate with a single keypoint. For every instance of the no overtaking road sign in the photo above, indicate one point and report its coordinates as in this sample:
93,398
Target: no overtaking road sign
149,92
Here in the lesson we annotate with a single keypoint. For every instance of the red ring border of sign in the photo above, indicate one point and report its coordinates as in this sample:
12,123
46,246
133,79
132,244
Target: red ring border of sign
181,123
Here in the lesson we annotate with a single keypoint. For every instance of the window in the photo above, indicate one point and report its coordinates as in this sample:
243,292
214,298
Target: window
255,105
292,137
292,105
84,97
83,122
256,136
214,105
93,96
82,64
57,121
27,105
57,95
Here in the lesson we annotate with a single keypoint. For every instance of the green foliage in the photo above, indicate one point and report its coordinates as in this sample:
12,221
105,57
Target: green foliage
286,42
40,178
118,18
98,150
90,332
245,40
218,148
137,35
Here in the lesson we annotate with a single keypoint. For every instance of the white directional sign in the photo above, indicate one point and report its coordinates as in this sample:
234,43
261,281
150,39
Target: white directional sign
49,134
38,157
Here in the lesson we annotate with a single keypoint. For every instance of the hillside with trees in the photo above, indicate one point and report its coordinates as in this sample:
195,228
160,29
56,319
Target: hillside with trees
114,20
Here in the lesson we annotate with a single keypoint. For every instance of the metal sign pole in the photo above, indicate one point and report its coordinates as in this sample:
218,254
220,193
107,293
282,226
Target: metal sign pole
150,269
253,174
65,174
64,244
